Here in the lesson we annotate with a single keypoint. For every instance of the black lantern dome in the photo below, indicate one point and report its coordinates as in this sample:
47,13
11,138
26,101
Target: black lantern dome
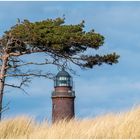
63,78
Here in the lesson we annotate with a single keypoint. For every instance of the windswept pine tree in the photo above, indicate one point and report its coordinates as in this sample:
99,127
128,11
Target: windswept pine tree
62,44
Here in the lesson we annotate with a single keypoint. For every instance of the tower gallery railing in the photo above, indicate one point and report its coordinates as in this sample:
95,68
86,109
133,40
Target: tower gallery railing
69,93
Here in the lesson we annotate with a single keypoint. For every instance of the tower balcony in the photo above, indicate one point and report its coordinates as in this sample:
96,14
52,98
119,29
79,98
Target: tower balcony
63,94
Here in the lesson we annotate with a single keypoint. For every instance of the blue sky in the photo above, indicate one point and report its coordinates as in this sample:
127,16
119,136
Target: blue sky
100,90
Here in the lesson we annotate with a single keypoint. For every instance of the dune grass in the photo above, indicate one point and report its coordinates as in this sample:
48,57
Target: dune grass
122,125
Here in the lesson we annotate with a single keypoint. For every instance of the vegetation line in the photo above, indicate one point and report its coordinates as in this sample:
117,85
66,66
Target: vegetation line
122,125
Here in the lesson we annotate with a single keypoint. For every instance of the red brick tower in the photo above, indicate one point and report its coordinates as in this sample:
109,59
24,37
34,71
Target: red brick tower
63,97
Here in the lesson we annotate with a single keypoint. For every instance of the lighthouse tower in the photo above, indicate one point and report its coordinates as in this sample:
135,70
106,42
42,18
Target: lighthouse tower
63,97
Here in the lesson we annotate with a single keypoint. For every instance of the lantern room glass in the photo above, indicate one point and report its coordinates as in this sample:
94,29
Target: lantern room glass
63,81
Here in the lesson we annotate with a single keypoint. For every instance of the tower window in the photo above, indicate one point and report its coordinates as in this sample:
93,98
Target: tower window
53,106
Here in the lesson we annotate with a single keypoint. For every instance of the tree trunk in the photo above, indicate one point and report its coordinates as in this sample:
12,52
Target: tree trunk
2,79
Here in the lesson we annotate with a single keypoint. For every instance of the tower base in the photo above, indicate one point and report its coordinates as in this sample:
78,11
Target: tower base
62,108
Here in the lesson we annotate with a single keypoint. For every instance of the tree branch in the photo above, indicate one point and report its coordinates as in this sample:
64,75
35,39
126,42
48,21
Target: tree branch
6,107
31,63
18,87
48,75
30,51
3,110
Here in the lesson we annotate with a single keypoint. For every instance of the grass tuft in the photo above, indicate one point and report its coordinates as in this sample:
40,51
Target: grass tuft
122,125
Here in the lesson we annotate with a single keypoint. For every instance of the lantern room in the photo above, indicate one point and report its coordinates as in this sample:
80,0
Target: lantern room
63,79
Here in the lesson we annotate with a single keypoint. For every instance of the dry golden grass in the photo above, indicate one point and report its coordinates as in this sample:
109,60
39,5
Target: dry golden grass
123,125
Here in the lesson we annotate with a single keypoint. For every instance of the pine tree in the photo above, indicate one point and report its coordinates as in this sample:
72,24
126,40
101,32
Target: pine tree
62,44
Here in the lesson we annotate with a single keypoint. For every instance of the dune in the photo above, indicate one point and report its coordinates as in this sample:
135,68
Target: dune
120,126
